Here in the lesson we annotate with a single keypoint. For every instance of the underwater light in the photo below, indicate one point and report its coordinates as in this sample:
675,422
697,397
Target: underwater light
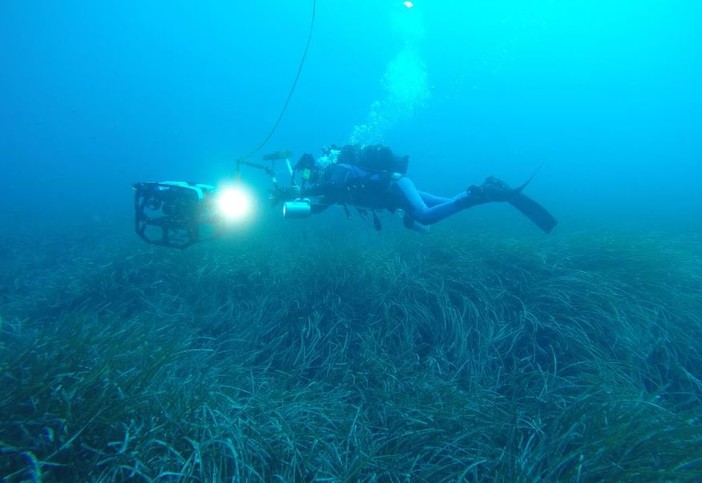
234,203
408,4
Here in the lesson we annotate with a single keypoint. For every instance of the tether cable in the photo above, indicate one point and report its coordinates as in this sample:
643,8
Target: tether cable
290,94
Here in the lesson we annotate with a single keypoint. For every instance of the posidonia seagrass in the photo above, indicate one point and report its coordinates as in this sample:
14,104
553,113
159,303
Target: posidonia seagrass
431,359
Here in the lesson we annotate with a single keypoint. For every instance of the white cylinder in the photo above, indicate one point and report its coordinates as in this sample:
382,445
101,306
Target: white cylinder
297,209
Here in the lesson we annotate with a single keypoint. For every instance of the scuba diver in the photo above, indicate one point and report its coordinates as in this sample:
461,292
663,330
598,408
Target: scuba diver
372,178
368,178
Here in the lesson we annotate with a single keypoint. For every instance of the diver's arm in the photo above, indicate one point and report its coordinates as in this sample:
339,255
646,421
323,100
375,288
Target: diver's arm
331,184
318,190
314,196
281,195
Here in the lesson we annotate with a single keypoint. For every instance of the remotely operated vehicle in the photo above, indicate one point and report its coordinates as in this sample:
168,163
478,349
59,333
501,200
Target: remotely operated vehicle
174,213
179,214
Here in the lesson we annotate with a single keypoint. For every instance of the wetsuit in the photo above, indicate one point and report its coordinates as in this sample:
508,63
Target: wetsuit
348,184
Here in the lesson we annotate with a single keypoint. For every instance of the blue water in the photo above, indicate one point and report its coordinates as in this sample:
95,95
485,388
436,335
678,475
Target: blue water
500,352
97,95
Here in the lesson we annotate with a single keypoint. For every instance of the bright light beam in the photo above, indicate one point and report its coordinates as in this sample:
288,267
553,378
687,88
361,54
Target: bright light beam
234,203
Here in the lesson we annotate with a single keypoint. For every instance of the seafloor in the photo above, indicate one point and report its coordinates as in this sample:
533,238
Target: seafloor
309,354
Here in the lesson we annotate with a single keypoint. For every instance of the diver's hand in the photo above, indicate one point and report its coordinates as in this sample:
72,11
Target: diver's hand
280,195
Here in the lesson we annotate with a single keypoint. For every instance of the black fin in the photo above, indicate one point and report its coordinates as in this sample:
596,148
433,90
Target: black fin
532,210
521,187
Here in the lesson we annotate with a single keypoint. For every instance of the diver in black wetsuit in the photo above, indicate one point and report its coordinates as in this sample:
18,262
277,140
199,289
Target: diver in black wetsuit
372,178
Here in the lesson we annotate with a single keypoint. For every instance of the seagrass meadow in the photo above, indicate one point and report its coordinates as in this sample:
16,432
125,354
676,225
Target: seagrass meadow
351,357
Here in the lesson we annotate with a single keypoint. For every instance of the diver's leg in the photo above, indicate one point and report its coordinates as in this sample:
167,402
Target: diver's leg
412,224
494,189
411,201
432,200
